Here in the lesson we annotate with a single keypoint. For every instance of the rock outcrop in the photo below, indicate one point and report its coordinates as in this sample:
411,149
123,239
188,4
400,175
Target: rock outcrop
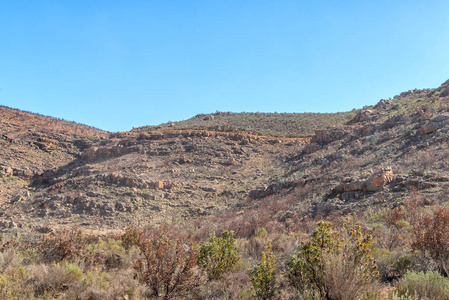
376,182
435,124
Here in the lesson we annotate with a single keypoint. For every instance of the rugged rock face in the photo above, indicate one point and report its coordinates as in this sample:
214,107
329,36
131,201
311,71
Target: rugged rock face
330,135
376,182
98,152
436,123
365,115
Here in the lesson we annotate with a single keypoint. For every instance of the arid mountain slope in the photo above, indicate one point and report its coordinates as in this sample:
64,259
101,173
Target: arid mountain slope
272,124
87,177
391,154
58,173
31,144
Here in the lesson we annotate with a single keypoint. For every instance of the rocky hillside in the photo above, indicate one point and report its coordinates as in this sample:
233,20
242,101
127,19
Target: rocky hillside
272,124
31,144
391,154
57,173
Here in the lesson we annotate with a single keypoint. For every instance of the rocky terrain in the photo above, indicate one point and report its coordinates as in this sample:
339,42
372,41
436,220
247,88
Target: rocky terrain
56,173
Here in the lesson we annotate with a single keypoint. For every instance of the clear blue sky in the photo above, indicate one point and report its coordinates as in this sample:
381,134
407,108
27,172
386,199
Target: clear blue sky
117,64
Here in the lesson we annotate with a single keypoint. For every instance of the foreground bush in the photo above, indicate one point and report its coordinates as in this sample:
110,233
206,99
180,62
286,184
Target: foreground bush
167,265
53,280
66,244
219,255
263,276
334,265
431,236
429,285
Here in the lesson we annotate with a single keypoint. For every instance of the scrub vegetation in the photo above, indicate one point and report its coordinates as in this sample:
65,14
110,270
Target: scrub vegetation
201,209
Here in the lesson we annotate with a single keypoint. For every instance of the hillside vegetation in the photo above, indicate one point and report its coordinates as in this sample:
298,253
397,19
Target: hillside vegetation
357,210
272,124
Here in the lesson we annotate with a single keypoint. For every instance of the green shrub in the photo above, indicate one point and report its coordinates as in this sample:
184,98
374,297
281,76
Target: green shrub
263,276
337,266
73,272
13,284
219,255
110,254
403,263
429,285
261,233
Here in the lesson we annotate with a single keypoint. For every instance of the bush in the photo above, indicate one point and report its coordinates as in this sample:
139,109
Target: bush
131,237
261,233
66,244
219,255
167,263
232,286
429,285
110,254
332,264
263,276
9,259
431,236
54,280
12,285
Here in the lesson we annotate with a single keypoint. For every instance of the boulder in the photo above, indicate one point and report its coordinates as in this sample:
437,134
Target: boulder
163,185
376,182
380,179
429,128
383,104
159,185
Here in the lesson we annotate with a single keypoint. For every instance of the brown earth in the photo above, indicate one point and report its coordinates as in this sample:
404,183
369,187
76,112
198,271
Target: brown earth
55,173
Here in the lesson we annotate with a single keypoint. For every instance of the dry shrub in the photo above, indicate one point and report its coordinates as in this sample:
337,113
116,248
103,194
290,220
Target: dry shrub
253,247
68,281
167,264
431,237
394,216
343,278
8,260
395,233
112,285
54,280
66,244
277,213
231,286
131,237
286,245
393,265
8,243
250,221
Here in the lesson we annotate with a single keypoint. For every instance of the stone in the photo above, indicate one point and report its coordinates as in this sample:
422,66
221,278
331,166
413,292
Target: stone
159,185
376,182
428,128
381,178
